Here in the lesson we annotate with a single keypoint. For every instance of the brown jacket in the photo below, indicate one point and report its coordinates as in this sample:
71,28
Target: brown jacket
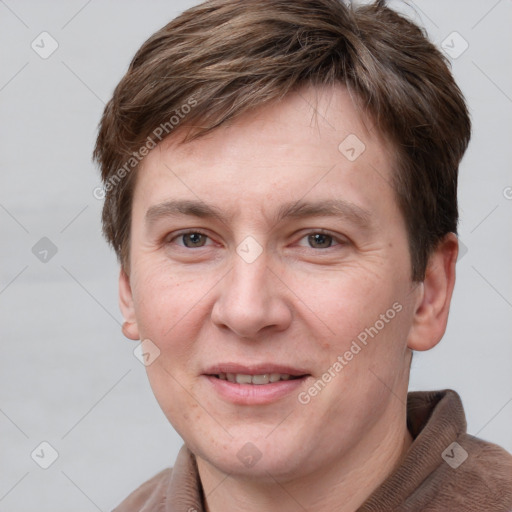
445,469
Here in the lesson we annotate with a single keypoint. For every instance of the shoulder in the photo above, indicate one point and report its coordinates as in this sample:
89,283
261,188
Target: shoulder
475,475
149,496
484,473
471,473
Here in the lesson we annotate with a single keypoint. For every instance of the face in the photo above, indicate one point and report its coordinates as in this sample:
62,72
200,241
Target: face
272,252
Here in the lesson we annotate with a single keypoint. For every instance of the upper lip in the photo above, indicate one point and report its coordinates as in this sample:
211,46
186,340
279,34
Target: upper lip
254,369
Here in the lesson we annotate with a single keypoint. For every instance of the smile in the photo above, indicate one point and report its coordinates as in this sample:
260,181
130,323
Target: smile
255,389
264,378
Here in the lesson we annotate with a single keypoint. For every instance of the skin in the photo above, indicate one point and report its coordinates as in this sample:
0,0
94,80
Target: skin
300,303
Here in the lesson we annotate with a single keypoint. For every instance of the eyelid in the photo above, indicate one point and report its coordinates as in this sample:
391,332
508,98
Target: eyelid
177,234
340,240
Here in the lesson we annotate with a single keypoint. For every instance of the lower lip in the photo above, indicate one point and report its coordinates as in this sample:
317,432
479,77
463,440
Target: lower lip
255,394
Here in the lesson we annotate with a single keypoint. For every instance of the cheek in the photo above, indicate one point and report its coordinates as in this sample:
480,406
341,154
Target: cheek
168,306
342,303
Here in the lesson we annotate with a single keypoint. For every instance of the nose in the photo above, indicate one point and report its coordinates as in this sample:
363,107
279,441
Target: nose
252,300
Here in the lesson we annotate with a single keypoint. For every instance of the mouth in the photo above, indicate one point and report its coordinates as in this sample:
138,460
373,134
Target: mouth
258,380
255,384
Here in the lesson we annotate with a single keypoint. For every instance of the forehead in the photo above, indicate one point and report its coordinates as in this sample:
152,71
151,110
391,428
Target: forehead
300,123
314,143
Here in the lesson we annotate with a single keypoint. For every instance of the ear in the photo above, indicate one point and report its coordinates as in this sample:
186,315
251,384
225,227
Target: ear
435,293
130,328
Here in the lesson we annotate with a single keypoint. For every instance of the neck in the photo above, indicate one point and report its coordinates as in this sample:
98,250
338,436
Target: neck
343,485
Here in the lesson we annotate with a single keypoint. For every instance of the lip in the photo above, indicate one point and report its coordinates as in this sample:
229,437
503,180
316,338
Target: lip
253,394
254,369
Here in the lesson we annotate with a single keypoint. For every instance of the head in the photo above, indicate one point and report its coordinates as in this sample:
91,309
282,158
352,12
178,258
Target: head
281,192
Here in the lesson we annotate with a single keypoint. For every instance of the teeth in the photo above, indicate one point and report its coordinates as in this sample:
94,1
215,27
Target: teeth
242,378
260,379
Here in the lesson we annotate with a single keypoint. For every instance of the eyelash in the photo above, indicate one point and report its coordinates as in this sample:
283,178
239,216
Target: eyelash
314,232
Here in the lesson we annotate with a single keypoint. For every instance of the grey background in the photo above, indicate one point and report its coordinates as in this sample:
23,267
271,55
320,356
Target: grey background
67,375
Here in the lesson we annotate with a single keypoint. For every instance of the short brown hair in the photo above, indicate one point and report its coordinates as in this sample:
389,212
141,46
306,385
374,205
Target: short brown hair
224,57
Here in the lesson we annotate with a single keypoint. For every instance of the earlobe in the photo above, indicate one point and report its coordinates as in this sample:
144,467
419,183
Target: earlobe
432,308
129,328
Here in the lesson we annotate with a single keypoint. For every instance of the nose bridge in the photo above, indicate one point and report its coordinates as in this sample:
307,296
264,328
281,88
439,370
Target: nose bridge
249,288
250,298
249,276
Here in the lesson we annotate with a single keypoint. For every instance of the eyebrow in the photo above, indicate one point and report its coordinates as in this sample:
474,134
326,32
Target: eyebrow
292,210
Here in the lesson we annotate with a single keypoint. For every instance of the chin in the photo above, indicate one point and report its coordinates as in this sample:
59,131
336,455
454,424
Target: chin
255,457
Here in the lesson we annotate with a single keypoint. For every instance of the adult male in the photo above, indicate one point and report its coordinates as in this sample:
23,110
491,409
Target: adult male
281,184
